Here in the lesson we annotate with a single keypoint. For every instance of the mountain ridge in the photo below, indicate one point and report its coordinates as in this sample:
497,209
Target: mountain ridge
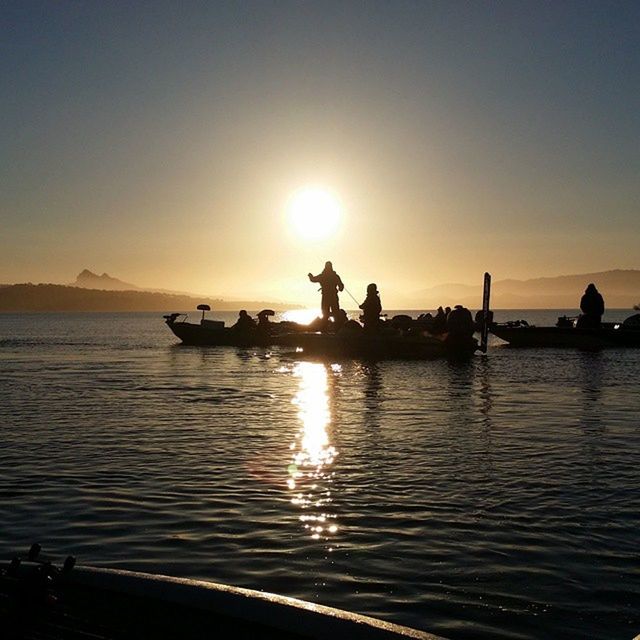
19,298
620,288
86,279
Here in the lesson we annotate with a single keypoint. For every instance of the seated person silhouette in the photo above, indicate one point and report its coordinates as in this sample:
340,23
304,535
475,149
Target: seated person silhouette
439,323
264,324
592,307
244,322
460,323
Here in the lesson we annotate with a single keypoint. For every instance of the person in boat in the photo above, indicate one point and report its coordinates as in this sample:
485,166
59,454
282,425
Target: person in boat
330,283
439,324
263,317
371,309
425,321
350,328
340,319
244,322
460,323
592,307
264,324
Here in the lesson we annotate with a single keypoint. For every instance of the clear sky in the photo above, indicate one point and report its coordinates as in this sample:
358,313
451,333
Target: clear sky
162,141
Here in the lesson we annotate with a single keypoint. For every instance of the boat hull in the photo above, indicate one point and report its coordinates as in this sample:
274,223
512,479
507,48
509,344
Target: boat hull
379,347
362,345
195,334
110,603
218,335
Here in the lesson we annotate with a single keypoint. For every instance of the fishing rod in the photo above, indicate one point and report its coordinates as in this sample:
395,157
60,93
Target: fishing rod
349,292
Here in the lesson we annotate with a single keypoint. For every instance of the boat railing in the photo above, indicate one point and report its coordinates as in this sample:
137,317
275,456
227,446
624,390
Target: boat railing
173,317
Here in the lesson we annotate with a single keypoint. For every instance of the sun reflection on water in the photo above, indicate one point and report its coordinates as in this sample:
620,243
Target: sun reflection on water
310,474
302,316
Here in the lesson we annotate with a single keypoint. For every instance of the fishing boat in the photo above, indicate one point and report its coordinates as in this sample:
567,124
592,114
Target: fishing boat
565,334
360,345
401,340
38,600
214,333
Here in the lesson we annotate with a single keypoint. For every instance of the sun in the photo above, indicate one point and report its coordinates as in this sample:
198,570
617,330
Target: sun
314,213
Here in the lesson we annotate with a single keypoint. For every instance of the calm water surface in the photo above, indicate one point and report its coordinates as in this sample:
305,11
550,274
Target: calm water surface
496,498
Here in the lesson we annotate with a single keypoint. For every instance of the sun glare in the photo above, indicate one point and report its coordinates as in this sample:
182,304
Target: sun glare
314,213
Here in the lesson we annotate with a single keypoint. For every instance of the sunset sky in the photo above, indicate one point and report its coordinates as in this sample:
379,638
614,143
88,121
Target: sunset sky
163,142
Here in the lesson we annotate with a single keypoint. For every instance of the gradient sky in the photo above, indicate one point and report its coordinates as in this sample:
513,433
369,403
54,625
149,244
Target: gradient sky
160,141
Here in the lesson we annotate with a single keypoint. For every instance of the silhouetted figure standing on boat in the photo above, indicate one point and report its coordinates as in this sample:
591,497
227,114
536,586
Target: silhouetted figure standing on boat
371,308
330,283
592,307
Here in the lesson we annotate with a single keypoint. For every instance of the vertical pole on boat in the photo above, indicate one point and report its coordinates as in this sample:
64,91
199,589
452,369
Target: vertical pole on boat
486,295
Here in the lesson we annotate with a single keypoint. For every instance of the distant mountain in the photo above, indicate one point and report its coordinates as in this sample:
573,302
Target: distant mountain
88,280
620,288
53,297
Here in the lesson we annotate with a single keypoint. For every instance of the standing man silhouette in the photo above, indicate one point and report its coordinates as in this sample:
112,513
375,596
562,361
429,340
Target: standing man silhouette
330,283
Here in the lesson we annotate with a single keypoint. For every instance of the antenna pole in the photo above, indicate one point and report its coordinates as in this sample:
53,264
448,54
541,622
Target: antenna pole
486,296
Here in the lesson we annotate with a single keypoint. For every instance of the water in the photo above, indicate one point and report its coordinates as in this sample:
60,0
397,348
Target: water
498,498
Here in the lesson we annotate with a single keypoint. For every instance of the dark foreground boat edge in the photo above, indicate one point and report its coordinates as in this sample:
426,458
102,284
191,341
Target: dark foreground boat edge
114,603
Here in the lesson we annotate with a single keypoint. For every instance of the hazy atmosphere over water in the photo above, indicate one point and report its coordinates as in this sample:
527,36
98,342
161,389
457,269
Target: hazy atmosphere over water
165,142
